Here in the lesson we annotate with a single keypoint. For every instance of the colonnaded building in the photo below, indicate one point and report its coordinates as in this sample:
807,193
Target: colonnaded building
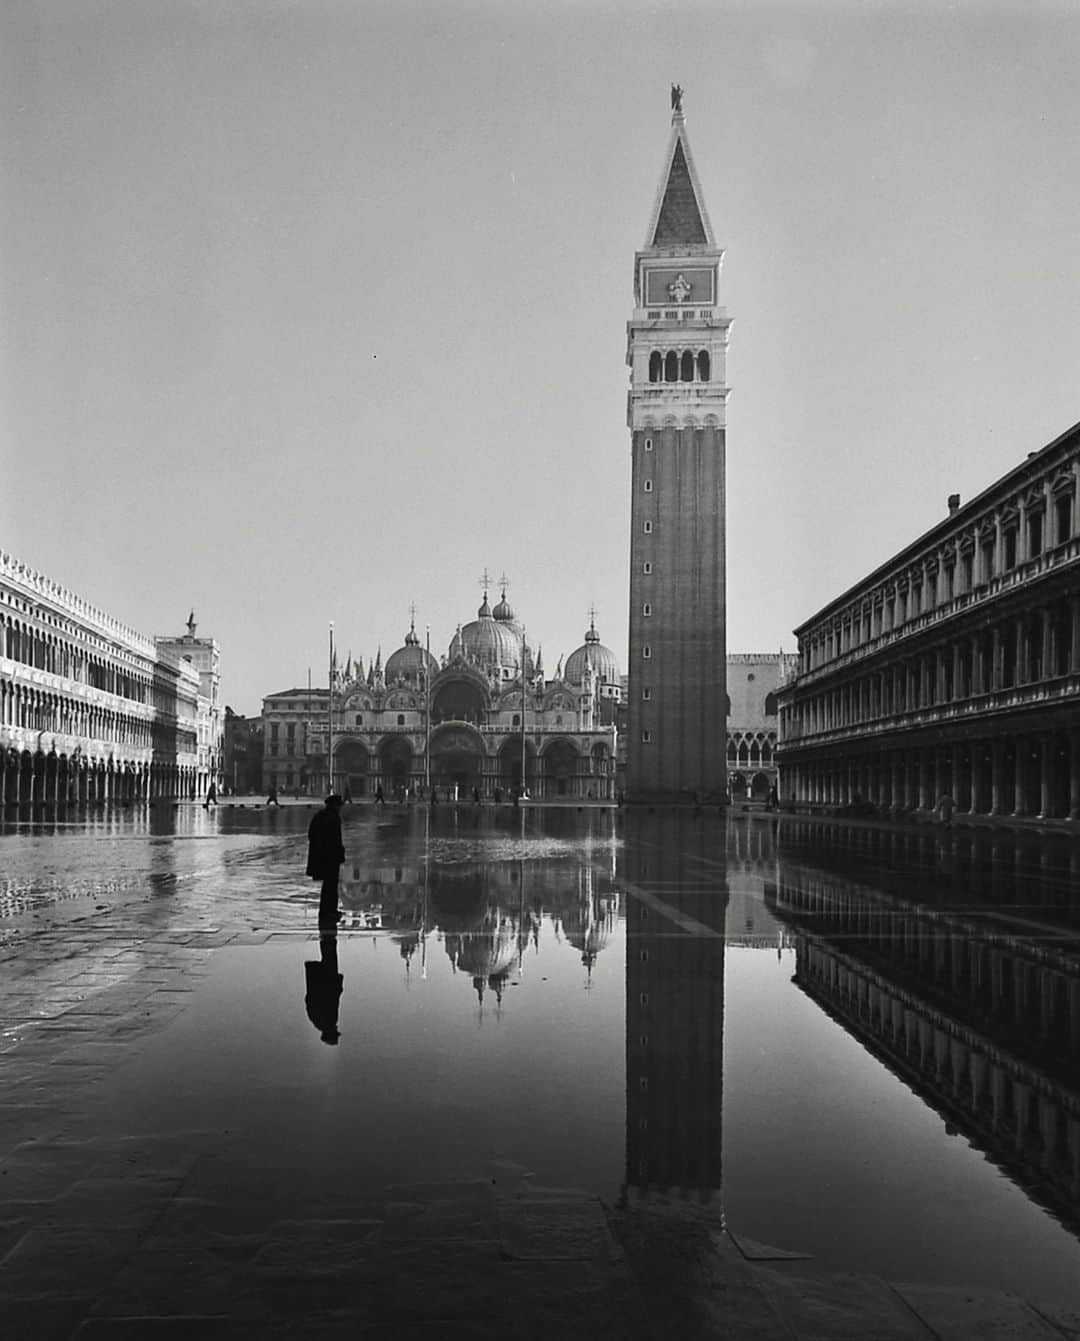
90,710
483,716
676,407
954,668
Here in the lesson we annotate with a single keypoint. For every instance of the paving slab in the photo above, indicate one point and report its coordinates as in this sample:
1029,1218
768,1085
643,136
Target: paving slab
976,1315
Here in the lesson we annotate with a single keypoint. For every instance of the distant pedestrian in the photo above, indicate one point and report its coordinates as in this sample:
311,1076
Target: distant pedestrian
380,799
323,985
326,852
773,800
211,797
271,799
946,806
476,796
498,796
348,795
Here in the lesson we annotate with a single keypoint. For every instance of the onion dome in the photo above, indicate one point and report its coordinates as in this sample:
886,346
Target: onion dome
600,658
488,642
410,660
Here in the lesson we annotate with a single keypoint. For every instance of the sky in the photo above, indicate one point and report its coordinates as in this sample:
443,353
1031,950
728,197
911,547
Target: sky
313,310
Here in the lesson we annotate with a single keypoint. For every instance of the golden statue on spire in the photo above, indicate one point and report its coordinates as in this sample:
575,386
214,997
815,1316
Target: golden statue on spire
676,97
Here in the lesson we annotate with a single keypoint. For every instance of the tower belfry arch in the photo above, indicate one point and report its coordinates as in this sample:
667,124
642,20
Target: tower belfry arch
676,411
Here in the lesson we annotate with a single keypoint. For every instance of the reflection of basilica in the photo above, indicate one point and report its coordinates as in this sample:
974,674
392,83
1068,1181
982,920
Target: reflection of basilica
983,1024
486,915
476,718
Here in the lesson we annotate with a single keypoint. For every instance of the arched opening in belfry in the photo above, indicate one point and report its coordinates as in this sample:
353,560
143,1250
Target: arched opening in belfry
687,370
703,369
671,366
656,366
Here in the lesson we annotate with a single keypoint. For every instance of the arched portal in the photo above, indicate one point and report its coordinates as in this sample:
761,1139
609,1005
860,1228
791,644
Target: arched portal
738,787
351,765
457,760
395,764
510,778
560,764
458,701
759,787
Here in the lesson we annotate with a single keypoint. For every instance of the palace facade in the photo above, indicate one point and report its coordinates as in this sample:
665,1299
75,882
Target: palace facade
676,347
482,717
753,679
90,710
954,668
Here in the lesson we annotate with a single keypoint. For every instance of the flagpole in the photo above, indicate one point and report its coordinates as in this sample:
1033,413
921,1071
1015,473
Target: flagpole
427,712
330,716
523,789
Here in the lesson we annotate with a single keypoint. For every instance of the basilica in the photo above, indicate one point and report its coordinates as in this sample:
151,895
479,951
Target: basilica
481,719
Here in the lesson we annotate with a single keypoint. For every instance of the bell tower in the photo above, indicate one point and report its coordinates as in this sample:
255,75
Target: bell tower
676,347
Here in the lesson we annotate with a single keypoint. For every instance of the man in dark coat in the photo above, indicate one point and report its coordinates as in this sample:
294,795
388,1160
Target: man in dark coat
326,852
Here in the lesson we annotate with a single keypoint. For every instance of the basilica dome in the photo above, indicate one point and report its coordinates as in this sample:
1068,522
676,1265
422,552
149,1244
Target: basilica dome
601,658
489,642
409,661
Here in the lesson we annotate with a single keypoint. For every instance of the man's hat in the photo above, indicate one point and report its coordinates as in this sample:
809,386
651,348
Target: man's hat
334,800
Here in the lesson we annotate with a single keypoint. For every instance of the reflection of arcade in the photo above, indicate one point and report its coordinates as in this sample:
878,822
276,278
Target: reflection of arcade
674,1006
985,1026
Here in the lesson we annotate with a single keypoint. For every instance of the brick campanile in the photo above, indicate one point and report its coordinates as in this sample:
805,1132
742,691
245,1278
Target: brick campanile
676,347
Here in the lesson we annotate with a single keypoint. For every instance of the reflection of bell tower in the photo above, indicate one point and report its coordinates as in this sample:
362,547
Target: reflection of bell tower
676,346
676,900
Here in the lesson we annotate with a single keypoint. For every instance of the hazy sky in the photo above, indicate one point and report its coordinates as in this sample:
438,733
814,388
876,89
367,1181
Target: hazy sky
310,310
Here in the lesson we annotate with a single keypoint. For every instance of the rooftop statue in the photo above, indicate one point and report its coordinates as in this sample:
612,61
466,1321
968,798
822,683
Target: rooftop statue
676,97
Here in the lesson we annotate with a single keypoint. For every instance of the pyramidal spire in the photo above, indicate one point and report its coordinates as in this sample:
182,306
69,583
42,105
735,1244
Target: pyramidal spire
679,217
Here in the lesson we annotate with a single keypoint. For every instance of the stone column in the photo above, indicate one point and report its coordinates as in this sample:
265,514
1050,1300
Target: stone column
1046,764
1074,774
1021,752
997,761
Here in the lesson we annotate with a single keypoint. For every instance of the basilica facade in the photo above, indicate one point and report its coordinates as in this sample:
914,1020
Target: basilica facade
482,718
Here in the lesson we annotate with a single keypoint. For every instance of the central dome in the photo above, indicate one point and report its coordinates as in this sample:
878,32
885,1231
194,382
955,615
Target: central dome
490,642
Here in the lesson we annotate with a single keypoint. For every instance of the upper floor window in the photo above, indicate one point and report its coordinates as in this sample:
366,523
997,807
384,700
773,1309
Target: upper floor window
1063,517
648,444
648,528
687,368
646,694
1010,548
359,719
401,719
648,486
703,366
671,366
646,651
1035,535
656,364
646,609
646,567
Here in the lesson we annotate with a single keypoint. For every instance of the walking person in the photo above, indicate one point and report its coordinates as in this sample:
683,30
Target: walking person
326,852
271,799
211,797
380,799
945,810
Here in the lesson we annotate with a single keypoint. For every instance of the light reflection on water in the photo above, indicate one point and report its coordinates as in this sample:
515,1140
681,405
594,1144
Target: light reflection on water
859,1044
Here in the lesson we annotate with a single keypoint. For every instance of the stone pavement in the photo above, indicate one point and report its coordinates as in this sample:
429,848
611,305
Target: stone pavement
107,1233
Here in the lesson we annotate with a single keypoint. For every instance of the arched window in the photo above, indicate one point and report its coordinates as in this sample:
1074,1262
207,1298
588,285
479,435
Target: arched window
656,366
671,366
770,705
703,366
687,372
401,719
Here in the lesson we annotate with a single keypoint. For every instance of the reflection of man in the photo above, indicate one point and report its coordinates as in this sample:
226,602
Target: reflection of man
324,984
326,852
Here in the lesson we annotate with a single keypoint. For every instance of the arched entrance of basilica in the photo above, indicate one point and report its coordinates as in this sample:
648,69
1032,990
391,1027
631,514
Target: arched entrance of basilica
560,767
351,766
395,764
457,760
510,766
